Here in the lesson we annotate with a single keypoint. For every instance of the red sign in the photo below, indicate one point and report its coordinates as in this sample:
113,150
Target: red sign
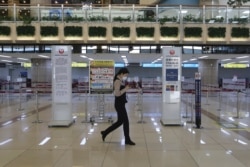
61,51
172,52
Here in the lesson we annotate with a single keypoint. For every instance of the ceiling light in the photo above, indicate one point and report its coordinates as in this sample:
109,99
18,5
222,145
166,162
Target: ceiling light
226,59
83,56
6,60
202,57
242,57
22,59
184,11
5,56
193,59
43,56
246,12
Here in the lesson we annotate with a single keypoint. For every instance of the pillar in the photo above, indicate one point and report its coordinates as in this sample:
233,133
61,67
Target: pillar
41,70
208,68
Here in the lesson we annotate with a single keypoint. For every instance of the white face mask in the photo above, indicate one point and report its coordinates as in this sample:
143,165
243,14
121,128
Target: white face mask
124,78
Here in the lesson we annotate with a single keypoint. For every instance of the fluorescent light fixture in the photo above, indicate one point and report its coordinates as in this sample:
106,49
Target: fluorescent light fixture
187,47
119,65
185,61
233,65
83,56
7,61
197,48
91,59
184,11
242,57
6,141
243,17
246,12
145,47
190,65
5,56
123,56
202,57
114,49
193,59
75,64
44,141
134,51
226,59
91,47
155,65
22,58
43,56
243,61
218,17
123,49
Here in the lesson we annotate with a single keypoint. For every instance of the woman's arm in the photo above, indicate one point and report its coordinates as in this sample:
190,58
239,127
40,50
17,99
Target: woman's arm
117,90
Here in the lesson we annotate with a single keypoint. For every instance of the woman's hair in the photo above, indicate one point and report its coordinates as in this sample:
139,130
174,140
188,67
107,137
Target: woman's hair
121,71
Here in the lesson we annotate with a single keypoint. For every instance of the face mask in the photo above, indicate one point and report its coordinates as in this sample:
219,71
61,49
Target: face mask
124,78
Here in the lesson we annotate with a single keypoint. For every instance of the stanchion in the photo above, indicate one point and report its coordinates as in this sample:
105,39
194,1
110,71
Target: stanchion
186,102
219,109
20,101
207,96
139,102
37,112
238,105
191,104
2,97
86,120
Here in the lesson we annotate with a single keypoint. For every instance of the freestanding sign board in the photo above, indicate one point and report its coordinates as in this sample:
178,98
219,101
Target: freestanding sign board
171,86
61,86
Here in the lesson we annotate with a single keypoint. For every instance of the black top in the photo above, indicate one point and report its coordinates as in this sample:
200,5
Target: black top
123,97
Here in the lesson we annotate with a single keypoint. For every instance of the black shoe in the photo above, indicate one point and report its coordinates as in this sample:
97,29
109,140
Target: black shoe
129,143
103,135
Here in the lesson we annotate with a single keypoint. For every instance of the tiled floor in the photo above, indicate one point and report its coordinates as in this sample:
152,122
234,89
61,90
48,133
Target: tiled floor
80,145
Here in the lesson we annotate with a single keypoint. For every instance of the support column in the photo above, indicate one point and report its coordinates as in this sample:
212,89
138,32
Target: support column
41,70
208,68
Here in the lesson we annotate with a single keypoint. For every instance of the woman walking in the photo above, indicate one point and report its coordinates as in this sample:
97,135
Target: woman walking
120,101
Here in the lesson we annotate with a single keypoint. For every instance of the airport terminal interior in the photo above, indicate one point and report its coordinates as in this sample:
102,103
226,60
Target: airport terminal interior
188,102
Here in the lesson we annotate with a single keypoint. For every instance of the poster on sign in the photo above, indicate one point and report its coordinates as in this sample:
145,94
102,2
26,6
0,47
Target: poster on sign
171,85
61,86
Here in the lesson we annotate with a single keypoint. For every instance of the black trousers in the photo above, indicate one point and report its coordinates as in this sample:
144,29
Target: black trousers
122,119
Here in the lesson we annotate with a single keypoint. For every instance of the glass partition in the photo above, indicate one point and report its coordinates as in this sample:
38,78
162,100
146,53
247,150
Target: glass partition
169,14
192,14
7,13
145,14
238,15
51,13
121,14
98,14
214,14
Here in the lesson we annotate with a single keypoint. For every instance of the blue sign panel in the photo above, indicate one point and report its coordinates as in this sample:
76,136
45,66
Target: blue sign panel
171,74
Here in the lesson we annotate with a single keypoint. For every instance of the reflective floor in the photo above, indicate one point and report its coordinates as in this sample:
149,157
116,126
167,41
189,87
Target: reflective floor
223,140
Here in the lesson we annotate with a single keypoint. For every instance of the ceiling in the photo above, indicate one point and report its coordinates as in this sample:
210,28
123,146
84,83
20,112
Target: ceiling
131,58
